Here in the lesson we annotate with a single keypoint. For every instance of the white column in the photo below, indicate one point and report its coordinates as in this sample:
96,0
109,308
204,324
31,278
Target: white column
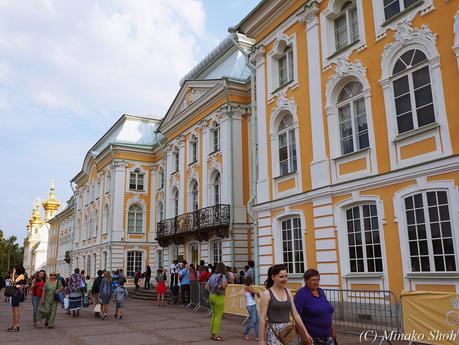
262,135
320,172
182,163
225,130
118,180
205,154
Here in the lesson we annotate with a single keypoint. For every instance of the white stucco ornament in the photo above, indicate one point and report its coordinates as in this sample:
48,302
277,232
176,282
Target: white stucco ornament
344,68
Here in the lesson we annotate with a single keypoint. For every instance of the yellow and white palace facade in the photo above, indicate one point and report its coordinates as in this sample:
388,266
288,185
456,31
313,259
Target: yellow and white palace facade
319,134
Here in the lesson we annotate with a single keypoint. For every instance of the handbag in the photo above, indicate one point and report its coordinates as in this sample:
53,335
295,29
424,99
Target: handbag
97,308
285,336
9,291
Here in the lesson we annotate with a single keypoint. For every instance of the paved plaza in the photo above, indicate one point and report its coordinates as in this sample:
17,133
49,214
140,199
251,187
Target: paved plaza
143,324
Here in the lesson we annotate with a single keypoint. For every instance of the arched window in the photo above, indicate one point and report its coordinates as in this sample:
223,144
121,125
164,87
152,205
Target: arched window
352,118
175,201
194,196
215,138
215,187
161,179
286,66
160,211
135,219
413,98
346,26
96,223
287,145
106,219
292,244
136,180
176,160
193,149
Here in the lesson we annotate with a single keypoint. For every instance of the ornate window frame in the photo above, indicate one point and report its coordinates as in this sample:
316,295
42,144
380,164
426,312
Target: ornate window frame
190,203
284,106
211,188
194,140
346,71
327,23
421,185
282,41
277,231
175,201
140,202
140,170
349,277
407,38
382,25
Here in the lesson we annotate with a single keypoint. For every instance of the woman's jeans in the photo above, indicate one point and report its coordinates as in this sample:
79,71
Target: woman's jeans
217,304
36,300
253,320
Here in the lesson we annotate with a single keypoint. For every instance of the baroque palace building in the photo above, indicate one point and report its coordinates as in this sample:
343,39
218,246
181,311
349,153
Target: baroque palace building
318,134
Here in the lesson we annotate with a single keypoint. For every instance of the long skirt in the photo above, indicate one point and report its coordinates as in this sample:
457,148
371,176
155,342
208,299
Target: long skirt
75,301
272,339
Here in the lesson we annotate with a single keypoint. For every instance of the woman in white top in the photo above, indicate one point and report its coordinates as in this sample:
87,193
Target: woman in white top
251,305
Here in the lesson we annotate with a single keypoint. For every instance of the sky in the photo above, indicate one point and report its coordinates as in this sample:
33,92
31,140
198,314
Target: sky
70,69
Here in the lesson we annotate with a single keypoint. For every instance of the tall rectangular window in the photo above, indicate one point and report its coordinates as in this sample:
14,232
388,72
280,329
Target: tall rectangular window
430,232
217,251
286,67
394,7
364,240
134,262
292,245
136,180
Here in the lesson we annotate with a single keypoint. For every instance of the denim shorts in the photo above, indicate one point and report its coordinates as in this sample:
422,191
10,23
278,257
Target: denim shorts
323,341
119,305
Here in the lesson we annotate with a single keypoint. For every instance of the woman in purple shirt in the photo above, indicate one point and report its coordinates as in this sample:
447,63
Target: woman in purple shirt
315,310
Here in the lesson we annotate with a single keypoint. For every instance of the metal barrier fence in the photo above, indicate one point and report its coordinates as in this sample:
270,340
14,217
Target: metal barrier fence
199,297
357,311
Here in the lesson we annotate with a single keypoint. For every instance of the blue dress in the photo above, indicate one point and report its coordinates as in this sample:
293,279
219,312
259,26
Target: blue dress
105,291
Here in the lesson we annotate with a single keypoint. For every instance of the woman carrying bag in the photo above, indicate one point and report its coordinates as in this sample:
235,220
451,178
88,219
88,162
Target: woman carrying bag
276,308
49,301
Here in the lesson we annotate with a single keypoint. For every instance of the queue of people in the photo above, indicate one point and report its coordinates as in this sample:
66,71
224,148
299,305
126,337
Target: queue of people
271,322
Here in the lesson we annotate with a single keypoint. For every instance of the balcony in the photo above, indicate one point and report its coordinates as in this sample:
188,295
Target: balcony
198,225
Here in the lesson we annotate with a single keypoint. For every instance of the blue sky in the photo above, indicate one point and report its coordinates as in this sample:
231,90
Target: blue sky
69,69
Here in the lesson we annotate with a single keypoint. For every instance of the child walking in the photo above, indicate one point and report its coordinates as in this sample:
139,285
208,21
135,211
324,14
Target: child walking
120,296
251,304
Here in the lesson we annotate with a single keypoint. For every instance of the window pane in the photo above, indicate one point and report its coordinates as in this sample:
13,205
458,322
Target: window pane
391,8
408,3
401,86
403,104
354,24
340,32
423,96
421,77
405,123
426,115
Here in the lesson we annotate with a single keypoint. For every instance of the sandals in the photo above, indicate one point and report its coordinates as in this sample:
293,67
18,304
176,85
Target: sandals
217,338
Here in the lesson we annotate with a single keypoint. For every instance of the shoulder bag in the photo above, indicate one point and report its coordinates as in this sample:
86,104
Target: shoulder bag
287,335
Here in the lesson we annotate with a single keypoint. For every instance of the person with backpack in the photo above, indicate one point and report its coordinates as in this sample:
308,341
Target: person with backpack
120,296
216,285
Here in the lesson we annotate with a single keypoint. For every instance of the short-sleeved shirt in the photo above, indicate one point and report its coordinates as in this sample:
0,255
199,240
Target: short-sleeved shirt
316,312
185,276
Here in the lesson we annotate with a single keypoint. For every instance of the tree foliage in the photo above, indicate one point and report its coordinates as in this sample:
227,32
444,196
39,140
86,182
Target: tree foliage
11,253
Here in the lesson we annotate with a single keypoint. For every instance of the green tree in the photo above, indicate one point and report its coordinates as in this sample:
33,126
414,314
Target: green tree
11,253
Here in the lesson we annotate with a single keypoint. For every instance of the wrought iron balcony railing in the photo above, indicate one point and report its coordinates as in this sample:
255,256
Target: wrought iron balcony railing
217,216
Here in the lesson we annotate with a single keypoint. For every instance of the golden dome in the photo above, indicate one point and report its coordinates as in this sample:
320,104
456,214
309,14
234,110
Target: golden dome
51,204
35,219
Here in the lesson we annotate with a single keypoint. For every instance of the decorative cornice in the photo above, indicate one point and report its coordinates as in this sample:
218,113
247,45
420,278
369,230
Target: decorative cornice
405,34
310,13
284,104
343,68
258,56
120,164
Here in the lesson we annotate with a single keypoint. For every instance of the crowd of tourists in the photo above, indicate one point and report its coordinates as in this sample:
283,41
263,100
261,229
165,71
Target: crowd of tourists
271,320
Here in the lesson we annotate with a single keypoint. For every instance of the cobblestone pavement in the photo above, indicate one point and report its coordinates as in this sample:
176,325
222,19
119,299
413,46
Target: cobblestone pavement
143,324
